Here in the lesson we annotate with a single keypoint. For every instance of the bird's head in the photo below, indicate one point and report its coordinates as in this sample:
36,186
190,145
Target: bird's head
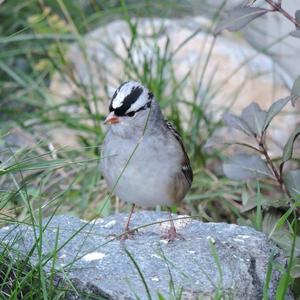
130,104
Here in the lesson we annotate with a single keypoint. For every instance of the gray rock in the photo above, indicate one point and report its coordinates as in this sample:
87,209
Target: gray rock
213,257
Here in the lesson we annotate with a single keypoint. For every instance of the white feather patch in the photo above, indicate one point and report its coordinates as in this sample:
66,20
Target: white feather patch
125,90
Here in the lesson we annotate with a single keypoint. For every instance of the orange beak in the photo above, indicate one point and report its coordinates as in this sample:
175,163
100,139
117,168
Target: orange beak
112,119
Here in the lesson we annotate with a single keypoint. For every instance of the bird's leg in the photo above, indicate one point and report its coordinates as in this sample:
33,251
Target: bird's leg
172,232
172,229
127,233
130,214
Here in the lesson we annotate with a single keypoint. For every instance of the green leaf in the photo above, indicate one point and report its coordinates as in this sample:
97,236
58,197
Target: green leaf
160,296
275,109
284,239
295,272
296,89
271,220
291,180
235,122
289,146
248,202
239,17
249,205
214,142
246,167
282,286
255,118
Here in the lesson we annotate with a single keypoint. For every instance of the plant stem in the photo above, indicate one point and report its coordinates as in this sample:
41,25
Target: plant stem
277,7
270,162
277,175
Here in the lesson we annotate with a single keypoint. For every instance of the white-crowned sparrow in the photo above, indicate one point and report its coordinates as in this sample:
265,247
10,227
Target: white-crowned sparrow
143,158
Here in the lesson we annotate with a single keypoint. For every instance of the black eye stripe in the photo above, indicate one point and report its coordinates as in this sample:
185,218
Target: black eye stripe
110,107
150,95
132,113
129,100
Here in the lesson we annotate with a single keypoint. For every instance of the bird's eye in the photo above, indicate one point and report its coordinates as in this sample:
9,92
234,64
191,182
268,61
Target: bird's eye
130,114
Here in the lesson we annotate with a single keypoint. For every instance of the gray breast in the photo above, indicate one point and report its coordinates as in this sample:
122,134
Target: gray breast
146,173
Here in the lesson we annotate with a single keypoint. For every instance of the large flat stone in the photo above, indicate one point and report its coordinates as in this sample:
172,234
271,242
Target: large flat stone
107,267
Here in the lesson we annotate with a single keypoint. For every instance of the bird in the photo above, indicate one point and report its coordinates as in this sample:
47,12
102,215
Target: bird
143,158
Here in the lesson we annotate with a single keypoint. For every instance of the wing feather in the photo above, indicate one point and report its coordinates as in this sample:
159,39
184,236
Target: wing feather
185,164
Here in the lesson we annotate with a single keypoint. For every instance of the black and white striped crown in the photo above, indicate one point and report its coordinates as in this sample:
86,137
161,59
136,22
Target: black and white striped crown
129,98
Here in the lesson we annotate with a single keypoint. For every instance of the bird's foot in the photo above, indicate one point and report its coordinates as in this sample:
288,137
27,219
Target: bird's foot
172,235
128,234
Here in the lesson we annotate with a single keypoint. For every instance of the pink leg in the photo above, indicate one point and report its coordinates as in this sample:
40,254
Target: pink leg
130,214
127,234
172,233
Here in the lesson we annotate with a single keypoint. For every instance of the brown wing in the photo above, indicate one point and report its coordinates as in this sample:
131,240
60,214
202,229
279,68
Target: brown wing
185,164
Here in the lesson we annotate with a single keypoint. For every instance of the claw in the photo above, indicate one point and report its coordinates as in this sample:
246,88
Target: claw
172,235
129,234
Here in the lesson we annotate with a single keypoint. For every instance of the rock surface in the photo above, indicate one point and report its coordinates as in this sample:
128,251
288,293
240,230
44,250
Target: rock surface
213,257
